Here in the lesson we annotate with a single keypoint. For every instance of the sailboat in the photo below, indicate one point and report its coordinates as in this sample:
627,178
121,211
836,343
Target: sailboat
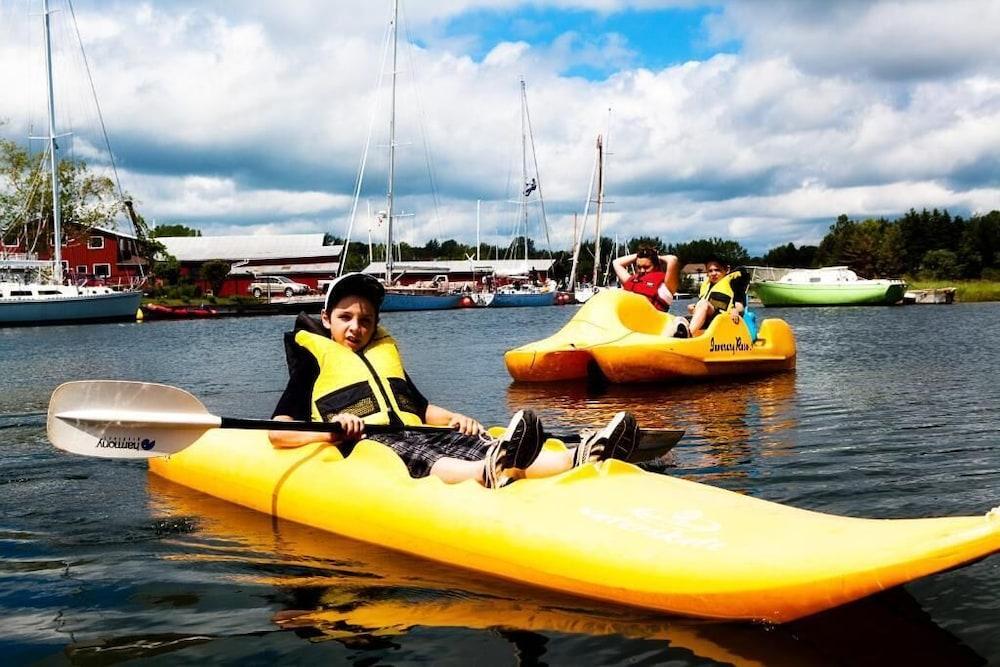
521,291
828,286
583,292
32,291
397,297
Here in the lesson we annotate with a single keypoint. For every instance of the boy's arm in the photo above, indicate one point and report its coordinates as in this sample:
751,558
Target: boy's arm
438,416
351,425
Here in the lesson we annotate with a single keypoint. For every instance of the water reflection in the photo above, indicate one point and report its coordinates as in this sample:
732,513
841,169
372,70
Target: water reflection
372,600
729,423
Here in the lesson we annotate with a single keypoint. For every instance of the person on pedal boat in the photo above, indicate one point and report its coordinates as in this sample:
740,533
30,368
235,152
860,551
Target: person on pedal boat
723,291
656,276
348,370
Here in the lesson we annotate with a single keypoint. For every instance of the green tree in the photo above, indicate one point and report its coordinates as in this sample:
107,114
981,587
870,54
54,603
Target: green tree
833,247
632,245
700,250
888,259
173,230
214,272
516,249
431,249
167,269
86,200
452,249
790,256
924,231
940,265
979,247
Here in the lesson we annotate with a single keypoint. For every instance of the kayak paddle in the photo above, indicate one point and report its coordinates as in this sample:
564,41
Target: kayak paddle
139,420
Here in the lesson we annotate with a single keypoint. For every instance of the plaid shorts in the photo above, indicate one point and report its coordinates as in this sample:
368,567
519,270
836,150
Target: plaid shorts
420,451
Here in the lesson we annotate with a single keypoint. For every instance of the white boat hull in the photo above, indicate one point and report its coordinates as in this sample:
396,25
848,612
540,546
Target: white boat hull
66,308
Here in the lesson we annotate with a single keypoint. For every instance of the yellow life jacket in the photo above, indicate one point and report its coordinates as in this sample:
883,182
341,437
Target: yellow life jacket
721,294
370,384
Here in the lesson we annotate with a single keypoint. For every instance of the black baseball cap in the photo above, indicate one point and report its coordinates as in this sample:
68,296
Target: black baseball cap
355,284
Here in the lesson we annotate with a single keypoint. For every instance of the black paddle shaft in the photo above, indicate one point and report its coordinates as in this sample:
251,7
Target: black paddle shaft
653,443
334,427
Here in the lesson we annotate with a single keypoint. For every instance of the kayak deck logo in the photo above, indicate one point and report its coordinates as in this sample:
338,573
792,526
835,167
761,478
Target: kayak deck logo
137,443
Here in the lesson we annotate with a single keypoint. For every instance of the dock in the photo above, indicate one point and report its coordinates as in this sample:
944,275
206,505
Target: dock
936,296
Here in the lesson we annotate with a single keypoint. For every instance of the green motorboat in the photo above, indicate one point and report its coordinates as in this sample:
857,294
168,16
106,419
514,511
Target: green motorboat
828,286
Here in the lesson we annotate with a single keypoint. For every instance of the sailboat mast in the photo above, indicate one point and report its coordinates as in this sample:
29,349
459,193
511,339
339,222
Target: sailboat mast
524,171
56,220
600,205
392,144
371,256
579,232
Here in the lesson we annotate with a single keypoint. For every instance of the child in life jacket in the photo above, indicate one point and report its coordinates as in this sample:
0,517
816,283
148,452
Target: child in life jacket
723,291
348,370
656,276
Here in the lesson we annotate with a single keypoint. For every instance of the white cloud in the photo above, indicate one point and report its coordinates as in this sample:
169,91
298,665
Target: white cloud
253,116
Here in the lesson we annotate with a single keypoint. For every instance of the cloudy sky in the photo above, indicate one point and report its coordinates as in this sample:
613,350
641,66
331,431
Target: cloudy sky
750,120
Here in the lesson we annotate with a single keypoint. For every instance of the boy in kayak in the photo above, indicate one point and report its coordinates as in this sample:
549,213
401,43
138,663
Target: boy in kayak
656,276
723,291
349,371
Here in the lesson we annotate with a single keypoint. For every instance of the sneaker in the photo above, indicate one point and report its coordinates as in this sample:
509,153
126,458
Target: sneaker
682,330
617,440
517,448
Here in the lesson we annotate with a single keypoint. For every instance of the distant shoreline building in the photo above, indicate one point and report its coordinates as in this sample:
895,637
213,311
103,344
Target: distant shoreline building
698,273
468,271
97,256
300,257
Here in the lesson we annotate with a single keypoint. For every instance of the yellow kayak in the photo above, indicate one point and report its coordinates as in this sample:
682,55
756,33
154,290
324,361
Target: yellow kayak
367,591
618,333
608,531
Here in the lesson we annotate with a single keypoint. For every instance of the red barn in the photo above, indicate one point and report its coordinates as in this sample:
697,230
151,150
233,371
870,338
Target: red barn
100,256
95,256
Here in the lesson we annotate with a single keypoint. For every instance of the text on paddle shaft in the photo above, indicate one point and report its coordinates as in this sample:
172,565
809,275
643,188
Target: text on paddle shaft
126,442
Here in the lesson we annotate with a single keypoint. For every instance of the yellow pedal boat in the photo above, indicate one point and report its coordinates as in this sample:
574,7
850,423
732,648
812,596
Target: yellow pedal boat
609,531
618,333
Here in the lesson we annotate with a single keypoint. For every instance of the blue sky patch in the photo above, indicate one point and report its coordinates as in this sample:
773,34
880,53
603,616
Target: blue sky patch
652,39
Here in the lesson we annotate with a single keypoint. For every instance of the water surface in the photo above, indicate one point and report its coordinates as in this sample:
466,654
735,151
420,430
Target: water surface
892,412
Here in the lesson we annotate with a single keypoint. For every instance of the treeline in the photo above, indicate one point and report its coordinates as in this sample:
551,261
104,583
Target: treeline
926,244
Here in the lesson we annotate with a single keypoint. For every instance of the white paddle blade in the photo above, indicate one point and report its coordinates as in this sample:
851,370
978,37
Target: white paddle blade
116,419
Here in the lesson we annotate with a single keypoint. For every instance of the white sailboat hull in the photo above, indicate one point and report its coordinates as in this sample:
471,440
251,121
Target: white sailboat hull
68,308
582,295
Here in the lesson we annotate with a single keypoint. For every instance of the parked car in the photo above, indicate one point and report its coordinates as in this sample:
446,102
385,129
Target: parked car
274,285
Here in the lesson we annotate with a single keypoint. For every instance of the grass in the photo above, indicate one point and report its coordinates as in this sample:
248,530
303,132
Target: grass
968,290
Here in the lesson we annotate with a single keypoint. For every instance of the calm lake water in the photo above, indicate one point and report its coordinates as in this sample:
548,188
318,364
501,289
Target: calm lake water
893,412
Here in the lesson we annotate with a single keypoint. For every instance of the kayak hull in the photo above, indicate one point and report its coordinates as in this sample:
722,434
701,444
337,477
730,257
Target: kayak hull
608,531
617,335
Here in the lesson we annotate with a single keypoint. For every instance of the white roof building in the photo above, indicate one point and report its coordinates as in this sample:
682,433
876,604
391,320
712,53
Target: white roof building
271,254
500,267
